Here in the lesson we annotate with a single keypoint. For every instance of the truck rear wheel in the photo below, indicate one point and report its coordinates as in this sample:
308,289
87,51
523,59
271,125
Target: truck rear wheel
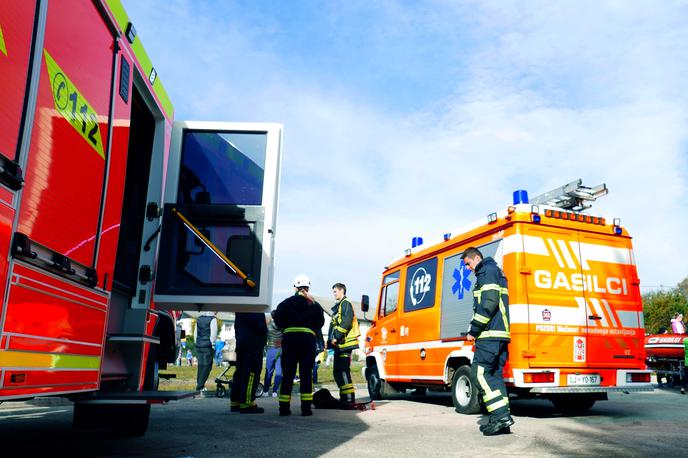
571,404
465,392
375,384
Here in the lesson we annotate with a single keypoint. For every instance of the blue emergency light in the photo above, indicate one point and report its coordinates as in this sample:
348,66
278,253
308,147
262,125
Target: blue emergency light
416,241
520,197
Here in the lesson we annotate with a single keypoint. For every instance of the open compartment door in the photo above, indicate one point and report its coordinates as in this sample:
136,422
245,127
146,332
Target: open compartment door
220,206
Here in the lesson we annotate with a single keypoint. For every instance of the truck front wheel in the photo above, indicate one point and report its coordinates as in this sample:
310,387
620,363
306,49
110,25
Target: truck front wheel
465,392
375,384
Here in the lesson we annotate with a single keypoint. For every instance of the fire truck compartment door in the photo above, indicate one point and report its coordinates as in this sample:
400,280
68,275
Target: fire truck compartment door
615,335
558,313
218,226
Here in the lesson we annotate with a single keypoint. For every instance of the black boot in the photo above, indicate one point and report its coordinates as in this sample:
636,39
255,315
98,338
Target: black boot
284,409
501,425
252,409
306,409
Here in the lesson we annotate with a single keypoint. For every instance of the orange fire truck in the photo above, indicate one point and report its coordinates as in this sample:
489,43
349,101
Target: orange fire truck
576,313
112,214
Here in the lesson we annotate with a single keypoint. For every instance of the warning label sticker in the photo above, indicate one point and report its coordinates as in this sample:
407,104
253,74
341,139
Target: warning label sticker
579,349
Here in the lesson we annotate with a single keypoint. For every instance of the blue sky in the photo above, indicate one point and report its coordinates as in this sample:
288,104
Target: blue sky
413,118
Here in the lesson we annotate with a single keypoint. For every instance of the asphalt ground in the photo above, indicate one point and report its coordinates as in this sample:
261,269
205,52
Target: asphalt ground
638,424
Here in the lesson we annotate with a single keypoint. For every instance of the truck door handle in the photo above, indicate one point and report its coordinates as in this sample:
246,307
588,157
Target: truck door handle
594,317
392,330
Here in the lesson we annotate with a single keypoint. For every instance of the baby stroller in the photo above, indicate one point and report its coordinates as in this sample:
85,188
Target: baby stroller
223,382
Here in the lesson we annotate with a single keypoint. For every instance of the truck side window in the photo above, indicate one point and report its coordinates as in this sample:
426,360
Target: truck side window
391,298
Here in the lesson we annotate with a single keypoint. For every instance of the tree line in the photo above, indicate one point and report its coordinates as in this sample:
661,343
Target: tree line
659,307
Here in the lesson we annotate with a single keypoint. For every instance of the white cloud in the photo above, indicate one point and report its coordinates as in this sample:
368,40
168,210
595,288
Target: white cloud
546,93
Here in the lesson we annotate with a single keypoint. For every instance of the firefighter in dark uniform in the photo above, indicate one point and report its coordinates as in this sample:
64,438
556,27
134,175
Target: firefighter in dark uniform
301,318
251,334
490,331
343,338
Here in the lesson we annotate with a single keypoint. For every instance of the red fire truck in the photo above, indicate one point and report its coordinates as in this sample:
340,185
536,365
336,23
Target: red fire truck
112,214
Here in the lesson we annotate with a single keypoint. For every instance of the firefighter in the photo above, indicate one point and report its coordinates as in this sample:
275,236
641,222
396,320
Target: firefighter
301,318
251,334
490,331
343,337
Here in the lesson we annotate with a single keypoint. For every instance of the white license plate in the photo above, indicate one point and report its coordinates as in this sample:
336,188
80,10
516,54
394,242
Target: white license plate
583,379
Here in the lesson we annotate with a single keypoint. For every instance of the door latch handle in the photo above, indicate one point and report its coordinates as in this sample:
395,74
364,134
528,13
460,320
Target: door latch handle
594,317
392,330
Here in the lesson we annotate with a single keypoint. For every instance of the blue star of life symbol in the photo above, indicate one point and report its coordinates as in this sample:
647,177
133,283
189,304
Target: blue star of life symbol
462,283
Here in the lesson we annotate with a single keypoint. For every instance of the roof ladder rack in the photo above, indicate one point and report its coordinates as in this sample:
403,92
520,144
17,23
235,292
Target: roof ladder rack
573,196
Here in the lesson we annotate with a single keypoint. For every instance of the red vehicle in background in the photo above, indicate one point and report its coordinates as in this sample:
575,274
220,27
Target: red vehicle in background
111,213
667,355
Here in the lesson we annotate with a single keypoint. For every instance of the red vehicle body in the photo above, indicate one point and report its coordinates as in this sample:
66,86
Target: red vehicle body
85,136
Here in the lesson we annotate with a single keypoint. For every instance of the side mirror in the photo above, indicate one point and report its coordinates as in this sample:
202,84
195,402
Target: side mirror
365,303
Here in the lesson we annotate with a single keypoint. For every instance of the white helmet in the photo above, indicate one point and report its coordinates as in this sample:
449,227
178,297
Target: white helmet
302,280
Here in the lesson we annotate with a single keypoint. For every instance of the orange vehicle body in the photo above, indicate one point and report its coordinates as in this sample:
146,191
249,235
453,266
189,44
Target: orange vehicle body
575,309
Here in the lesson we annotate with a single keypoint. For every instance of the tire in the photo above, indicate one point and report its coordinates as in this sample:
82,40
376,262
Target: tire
572,404
123,419
259,390
375,384
152,380
220,391
133,421
465,392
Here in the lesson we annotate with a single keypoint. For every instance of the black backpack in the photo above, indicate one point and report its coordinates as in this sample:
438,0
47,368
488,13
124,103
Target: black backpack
323,399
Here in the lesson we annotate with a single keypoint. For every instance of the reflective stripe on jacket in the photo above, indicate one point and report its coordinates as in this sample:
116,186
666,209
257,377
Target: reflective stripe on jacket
344,325
491,303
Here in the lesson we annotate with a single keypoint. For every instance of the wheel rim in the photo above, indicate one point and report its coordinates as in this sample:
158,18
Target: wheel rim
373,382
462,390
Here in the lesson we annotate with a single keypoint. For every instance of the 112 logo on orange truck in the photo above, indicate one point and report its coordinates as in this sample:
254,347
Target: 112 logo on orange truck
576,326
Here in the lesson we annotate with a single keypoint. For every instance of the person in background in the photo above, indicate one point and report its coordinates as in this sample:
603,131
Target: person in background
189,357
273,358
205,335
251,333
677,325
219,345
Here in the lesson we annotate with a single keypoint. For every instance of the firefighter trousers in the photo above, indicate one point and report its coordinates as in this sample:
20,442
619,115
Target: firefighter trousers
298,348
342,375
489,359
247,375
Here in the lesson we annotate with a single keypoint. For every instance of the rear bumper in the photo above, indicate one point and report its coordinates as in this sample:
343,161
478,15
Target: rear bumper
590,389
619,378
